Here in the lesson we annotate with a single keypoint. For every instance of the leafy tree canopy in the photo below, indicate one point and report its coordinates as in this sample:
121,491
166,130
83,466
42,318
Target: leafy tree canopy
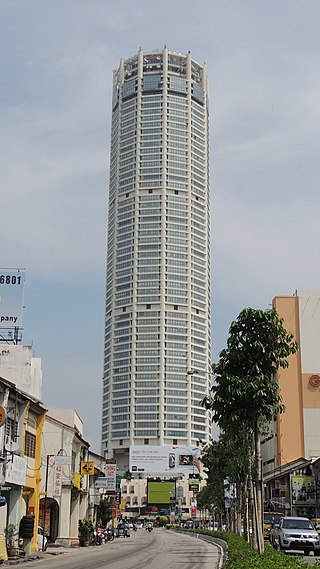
245,390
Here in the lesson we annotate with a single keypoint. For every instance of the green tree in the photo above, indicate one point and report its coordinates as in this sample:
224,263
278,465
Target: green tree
104,512
227,459
245,395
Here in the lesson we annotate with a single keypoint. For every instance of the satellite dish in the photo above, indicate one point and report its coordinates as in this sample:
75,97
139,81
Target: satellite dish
11,446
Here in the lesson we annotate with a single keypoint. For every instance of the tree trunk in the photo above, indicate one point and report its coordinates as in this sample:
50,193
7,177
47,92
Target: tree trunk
258,487
252,526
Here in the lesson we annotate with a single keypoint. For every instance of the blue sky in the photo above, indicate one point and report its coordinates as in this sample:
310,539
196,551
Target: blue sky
56,62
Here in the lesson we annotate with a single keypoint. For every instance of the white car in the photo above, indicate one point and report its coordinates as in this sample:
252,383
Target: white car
41,540
295,533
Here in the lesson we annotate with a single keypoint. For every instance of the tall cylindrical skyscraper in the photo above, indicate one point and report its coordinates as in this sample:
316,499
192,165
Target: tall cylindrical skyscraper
157,354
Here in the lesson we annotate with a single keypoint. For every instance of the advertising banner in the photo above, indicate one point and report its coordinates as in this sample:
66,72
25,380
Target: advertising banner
303,490
161,492
11,297
173,460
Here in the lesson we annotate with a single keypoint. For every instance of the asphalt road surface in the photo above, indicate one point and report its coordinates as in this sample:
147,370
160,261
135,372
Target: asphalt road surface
160,549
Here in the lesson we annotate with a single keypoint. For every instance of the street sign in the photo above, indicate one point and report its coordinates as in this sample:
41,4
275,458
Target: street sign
87,468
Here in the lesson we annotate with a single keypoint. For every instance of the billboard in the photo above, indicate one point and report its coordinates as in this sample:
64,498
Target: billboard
303,490
172,460
11,297
160,493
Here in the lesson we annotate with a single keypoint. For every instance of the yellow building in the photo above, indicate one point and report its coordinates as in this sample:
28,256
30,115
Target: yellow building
20,442
32,443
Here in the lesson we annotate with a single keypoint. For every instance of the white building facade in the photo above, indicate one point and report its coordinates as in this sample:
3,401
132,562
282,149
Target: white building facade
157,322
19,365
65,491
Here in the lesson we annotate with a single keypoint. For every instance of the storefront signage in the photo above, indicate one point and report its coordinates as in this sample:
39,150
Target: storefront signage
101,482
64,460
57,480
3,415
16,470
303,490
111,470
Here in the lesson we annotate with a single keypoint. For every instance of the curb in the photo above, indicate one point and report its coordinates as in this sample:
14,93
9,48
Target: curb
219,543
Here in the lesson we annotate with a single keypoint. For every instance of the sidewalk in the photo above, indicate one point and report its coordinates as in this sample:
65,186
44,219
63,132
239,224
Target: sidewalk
38,555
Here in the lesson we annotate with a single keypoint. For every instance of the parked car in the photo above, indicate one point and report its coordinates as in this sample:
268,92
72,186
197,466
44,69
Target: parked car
269,519
121,531
41,540
316,523
295,533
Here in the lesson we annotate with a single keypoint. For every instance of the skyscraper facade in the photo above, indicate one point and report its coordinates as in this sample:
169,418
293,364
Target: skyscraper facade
157,354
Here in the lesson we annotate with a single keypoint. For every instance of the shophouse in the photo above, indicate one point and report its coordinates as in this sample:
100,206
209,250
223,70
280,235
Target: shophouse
65,491
20,450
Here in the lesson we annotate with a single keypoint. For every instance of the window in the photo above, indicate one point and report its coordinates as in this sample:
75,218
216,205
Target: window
30,445
11,428
146,441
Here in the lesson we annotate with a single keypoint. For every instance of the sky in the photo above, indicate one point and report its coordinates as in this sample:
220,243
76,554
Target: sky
56,63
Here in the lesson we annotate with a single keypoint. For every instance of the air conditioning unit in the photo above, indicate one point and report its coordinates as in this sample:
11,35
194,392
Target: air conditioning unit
10,445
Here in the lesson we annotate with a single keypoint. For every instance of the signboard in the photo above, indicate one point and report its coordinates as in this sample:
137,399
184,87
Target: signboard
3,415
172,460
303,490
87,468
64,460
16,470
77,479
111,470
194,485
57,480
101,482
11,297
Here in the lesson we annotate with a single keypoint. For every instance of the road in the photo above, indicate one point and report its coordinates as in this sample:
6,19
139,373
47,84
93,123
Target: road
160,549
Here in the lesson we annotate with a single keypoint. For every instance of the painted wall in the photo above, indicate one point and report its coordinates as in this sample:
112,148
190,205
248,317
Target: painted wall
309,315
290,428
18,365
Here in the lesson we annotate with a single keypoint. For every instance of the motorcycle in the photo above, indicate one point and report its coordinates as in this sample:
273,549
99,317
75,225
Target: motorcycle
98,536
109,534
